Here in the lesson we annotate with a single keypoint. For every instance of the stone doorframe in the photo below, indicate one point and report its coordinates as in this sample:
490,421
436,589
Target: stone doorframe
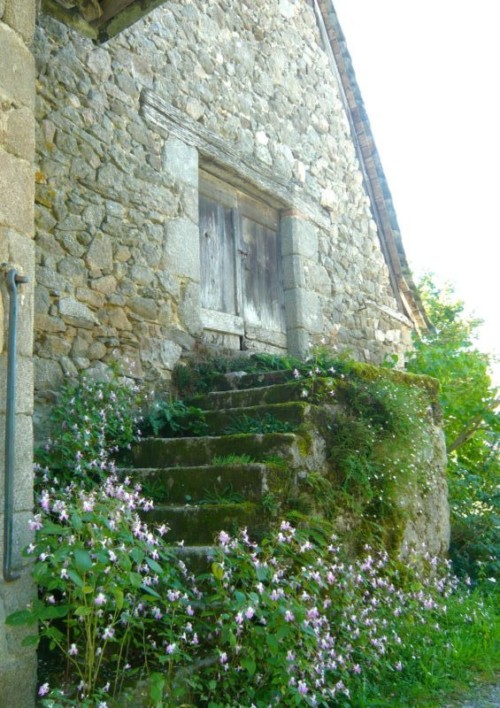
189,146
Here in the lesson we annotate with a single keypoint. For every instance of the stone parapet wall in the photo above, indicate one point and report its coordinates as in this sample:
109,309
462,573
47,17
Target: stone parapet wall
17,145
117,211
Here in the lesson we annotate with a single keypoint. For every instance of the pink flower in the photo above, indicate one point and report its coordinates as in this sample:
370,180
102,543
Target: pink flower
108,633
249,612
100,599
44,689
170,649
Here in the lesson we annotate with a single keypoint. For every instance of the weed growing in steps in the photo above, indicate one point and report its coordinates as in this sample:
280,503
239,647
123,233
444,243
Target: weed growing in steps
173,418
233,459
225,495
258,425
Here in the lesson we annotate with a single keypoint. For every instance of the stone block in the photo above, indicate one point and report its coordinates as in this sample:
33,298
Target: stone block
105,285
17,192
21,15
90,297
181,161
190,309
18,681
17,132
23,467
100,253
48,375
298,341
170,354
144,307
17,68
182,249
293,272
298,237
24,384
303,311
76,313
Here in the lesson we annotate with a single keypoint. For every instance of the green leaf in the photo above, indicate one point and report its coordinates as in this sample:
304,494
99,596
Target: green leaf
118,595
16,619
83,561
83,611
272,643
249,664
156,686
218,571
75,578
135,580
155,567
53,612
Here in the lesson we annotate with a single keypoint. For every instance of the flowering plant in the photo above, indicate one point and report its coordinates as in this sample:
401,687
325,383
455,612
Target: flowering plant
113,601
92,421
307,626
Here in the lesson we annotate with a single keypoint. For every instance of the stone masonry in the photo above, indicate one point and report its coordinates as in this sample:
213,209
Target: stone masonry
17,148
118,272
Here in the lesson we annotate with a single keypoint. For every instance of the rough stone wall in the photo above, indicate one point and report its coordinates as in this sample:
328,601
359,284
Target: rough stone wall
117,207
17,145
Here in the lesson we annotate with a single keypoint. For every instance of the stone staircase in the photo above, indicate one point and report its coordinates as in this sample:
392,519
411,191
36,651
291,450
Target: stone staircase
199,483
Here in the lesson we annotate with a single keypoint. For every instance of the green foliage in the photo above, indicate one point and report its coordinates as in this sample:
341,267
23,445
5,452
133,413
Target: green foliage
92,422
471,416
296,622
173,418
223,460
113,602
226,495
258,425
374,449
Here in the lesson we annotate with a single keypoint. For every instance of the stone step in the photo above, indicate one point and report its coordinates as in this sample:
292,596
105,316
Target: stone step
243,379
195,452
243,398
230,420
198,524
194,484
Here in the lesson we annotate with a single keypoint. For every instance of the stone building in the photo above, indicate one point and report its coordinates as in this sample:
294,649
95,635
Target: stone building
205,173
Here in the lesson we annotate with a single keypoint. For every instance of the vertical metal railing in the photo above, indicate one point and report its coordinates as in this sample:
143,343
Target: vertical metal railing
13,280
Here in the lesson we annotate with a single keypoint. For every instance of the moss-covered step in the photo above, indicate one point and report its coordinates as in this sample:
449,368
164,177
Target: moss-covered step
193,484
199,524
296,449
243,379
230,420
243,398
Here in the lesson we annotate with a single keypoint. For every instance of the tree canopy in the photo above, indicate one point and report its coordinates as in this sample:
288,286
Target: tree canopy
471,414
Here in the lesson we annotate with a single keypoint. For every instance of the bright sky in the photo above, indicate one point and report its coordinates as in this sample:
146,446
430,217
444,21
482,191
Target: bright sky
429,75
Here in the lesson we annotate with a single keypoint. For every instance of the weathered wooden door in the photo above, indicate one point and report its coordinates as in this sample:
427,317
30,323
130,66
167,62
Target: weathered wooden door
241,277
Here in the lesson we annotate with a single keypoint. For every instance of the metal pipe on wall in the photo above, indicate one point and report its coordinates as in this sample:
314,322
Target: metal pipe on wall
13,280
